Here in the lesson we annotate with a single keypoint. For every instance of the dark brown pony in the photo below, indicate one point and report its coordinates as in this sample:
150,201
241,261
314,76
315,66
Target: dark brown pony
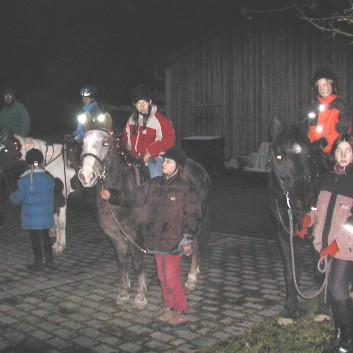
292,180
105,161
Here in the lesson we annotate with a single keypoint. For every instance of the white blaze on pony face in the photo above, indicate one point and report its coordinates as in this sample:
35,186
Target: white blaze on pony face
94,152
343,154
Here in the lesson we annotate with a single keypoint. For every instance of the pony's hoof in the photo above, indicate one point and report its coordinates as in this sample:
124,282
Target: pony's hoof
122,299
286,318
190,284
322,317
190,287
285,321
140,302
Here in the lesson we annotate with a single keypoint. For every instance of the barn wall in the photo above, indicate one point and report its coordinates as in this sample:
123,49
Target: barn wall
235,82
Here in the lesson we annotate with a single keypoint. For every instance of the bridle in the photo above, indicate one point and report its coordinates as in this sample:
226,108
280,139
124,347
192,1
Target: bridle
88,154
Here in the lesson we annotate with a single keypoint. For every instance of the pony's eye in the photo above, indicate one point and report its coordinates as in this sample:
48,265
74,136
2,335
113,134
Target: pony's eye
105,143
279,157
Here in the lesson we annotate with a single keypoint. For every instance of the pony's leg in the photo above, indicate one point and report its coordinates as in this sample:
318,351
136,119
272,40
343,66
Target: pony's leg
60,231
121,251
140,301
190,283
288,315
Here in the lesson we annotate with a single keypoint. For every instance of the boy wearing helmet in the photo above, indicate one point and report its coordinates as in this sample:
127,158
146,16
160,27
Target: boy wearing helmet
174,214
329,117
88,94
148,133
36,194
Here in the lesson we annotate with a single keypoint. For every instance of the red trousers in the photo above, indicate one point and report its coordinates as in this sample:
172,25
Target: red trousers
169,274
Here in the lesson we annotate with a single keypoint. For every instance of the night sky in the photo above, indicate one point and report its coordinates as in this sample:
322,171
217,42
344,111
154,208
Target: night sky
58,46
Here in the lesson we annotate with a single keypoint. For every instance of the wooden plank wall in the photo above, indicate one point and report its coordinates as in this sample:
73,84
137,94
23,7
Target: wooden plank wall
235,82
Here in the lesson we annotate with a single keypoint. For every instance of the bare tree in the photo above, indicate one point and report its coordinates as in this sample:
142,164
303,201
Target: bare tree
332,16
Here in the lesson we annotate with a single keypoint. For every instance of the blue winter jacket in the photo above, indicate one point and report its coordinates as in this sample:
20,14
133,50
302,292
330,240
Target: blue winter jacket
37,200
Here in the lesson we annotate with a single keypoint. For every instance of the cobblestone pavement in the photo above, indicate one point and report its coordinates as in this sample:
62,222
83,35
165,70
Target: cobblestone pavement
73,309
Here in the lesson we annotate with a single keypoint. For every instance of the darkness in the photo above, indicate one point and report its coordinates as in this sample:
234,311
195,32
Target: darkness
51,48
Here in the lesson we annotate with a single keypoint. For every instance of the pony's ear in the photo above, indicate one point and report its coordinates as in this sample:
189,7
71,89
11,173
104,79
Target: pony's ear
104,121
275,127
11,134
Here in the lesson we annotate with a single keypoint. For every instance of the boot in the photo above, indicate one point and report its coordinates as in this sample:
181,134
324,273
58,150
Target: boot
37,252
49,263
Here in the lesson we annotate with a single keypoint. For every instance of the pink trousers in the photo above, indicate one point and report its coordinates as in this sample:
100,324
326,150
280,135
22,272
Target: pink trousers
169,274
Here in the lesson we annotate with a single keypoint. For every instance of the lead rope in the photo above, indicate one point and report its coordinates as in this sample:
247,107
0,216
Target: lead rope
127,237
325,269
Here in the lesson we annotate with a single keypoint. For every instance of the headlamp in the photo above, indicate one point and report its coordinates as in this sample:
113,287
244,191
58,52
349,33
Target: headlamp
82,118
101,118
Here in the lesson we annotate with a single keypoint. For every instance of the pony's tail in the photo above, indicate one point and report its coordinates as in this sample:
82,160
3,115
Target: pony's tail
59,198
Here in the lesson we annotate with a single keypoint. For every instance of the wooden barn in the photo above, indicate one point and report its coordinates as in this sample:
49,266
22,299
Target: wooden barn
232,82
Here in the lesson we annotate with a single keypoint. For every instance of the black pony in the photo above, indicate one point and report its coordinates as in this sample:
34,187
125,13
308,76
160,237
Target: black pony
291,194
104,160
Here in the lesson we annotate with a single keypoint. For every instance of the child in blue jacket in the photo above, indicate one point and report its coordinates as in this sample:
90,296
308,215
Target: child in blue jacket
36,194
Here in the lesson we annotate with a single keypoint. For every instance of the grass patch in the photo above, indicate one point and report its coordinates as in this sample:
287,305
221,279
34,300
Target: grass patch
305,336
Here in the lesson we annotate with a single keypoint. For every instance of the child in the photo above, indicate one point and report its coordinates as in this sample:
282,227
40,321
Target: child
36,194
334,206
174,211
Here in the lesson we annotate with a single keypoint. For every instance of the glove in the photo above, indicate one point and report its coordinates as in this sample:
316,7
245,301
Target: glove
185,245
318,145
331,250
302,226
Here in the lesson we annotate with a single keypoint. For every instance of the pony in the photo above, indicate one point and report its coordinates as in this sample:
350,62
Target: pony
13,149
291,192
105,160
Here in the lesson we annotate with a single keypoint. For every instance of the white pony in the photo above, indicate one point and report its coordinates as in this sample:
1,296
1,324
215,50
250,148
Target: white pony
56,164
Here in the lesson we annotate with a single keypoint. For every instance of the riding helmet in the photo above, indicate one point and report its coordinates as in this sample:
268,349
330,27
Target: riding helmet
140,92
177,155
34,156
88,91
326,73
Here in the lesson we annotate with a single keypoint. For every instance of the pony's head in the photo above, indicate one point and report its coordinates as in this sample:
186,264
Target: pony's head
10,151
290,169
95,148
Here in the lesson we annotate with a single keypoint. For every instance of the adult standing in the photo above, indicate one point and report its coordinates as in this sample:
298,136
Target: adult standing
13,115
148,133
90,105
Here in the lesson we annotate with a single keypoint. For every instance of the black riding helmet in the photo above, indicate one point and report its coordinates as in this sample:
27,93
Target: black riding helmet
34,157
177,155
140,92
326,73
88,91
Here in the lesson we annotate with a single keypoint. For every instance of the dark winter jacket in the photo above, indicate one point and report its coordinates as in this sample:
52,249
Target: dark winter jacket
334,206
174,209
37,199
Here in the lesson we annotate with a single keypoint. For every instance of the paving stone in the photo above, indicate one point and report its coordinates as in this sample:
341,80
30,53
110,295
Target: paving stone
73,309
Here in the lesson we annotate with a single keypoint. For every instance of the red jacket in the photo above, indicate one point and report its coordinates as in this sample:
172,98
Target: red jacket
333,120
156,138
